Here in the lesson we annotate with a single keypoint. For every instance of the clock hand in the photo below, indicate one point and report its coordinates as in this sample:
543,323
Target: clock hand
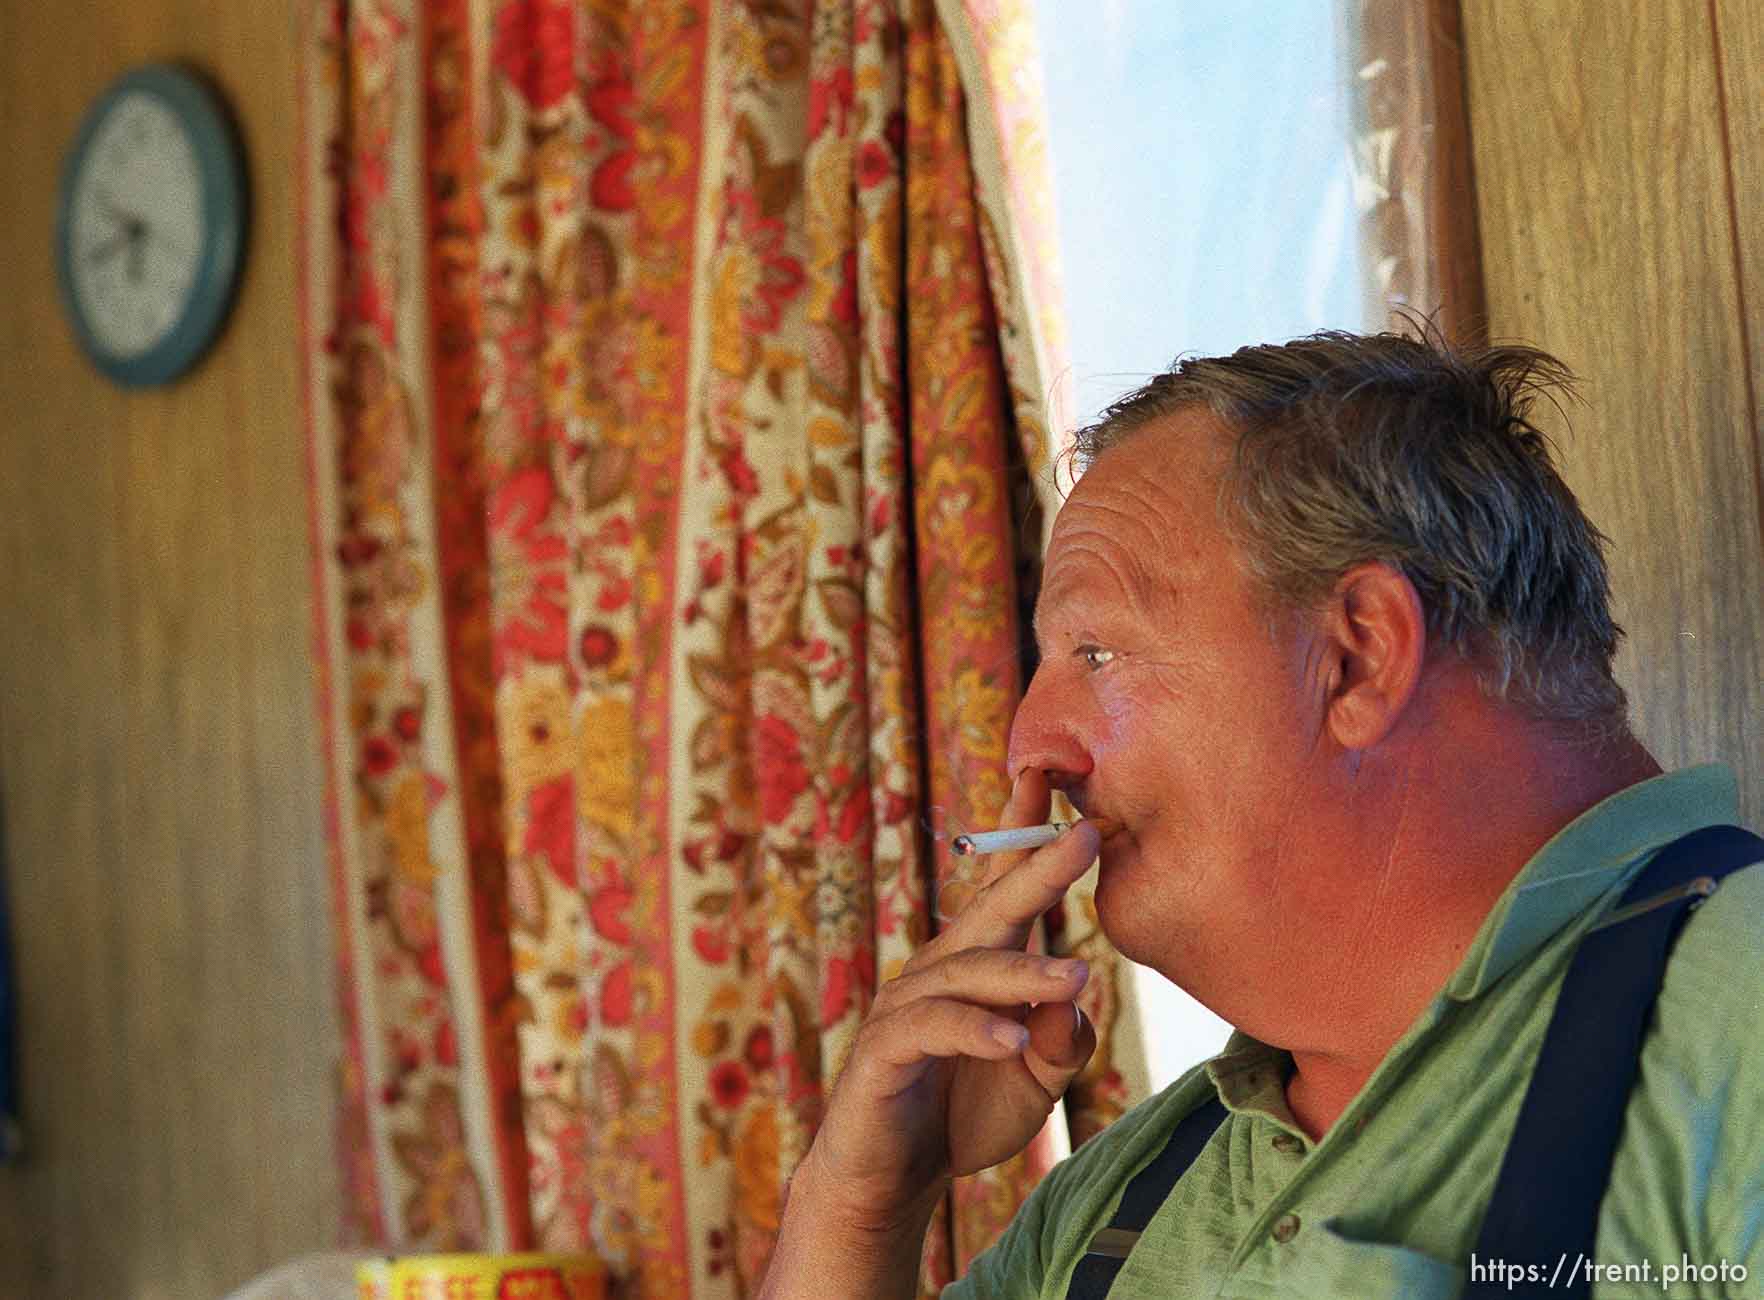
136,250
131,222
100,253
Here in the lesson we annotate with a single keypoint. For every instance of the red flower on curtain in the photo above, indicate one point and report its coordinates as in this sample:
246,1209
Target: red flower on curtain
847,978
875,164
711,943
534,47
729,1084
830,101
844,307
778,277
606,911
610,100
778,767
844,820
598,645
378,756
551,828
538,627
759,1047
617,995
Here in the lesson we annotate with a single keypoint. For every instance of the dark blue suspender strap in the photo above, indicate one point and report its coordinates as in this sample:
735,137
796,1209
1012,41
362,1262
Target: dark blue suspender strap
1545,1208
1096,1271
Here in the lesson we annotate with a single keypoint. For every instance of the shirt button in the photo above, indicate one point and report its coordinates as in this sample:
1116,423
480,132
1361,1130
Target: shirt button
1287,1143
1286,1228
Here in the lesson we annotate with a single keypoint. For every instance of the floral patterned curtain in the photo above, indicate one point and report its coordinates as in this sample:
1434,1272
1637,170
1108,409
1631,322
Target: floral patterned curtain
677,375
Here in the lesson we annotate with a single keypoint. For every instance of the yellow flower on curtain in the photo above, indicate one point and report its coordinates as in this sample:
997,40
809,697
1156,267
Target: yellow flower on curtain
732,351
834,435
757,1196
976,608
606,785
956,492
881,238
570,1015
988,792
535,727
407,830
364,699
975,708
629,1206
377,458
651,351
710,1037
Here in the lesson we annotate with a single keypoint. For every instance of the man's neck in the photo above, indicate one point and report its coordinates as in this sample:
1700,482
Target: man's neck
1440,866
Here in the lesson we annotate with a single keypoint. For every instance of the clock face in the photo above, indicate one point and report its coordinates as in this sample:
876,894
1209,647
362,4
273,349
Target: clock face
150,232
136,225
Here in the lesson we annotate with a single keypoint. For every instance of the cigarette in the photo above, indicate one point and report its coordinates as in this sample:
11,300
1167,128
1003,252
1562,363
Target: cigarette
1024,837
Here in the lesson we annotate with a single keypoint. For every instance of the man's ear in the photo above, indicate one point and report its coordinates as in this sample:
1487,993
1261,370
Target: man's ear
1377,640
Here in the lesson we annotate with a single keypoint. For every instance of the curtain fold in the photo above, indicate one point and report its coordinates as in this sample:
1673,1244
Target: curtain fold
1413,182
677,387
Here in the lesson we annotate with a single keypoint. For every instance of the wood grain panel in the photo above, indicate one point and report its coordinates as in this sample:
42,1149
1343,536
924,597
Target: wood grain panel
158,761
1739,39
1606,238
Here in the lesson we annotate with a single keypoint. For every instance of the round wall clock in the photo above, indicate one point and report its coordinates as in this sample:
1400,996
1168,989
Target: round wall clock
150,231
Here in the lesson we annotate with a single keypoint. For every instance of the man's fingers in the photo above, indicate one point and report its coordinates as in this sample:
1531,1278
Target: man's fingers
1061,1040
994,977
1029,799
902,1040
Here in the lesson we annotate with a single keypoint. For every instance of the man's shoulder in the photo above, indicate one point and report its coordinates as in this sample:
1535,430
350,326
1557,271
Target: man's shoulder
1701,1071
1686,1172
1717,966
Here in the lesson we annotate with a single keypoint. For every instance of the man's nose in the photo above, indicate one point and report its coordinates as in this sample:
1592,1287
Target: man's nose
1045,733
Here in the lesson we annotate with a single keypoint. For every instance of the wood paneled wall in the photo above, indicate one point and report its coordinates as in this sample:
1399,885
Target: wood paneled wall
1619,155
158,769
158,763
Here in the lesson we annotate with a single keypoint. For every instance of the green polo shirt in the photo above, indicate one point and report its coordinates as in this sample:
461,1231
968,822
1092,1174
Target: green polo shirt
1390,1201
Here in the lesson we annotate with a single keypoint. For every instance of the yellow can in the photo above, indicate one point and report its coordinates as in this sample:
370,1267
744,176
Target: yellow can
481,1277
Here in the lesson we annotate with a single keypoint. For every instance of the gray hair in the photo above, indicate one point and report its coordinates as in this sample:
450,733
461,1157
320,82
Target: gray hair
1355,448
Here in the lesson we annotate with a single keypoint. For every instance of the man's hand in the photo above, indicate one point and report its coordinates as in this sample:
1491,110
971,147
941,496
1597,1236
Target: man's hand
956,1068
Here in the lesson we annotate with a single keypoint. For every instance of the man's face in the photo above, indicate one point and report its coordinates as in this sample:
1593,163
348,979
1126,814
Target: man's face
1167,703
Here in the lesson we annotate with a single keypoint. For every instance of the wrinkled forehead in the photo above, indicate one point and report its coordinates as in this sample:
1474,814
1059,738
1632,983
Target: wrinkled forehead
1140,525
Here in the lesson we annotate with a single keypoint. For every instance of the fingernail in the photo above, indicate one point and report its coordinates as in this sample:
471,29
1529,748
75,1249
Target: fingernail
1015,1037
1063,968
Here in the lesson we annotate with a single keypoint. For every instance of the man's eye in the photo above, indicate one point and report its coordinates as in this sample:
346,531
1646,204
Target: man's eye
1094,656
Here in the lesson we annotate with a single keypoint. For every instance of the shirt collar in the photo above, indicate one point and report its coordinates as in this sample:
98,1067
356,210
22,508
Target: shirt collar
1250,1077
1601,848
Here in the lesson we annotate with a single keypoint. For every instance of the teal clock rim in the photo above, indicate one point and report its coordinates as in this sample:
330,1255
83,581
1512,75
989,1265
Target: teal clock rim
219,159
